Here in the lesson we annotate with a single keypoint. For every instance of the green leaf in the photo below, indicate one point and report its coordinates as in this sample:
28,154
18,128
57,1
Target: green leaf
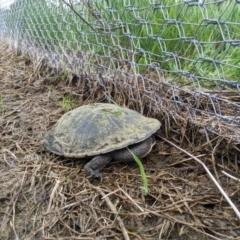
144,188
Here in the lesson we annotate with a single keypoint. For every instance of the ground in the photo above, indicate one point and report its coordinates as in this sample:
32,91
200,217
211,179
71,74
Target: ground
44,196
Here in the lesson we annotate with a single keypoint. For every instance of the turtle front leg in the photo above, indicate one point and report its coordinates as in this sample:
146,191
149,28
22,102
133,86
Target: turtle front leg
92,168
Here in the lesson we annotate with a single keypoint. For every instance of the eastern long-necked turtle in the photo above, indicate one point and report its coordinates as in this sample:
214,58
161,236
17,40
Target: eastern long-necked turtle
102,130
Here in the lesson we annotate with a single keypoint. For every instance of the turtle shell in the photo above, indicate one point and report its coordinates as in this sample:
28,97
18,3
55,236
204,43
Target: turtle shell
98,128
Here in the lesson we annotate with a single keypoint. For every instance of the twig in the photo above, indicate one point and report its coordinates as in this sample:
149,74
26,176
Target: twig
210,174
232,177
52,194
113,209
213,158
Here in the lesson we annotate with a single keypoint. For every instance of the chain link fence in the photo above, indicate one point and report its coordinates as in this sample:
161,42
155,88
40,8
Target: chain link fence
180,57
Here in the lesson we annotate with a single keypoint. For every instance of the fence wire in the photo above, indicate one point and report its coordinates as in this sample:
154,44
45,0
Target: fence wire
174,56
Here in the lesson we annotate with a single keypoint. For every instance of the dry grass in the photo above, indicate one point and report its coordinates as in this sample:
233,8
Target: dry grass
44,196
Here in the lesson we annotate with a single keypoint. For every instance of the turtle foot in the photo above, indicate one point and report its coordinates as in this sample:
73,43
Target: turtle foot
92,168
93,174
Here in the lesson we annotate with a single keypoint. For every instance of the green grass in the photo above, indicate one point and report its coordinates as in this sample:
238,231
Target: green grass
67,103
144,188
140,27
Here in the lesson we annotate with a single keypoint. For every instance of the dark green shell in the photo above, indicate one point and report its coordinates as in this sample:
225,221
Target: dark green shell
98,128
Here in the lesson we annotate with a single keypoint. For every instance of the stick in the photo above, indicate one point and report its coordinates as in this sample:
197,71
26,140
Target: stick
52,195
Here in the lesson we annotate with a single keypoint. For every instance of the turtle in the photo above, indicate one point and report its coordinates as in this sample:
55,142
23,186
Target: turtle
104,131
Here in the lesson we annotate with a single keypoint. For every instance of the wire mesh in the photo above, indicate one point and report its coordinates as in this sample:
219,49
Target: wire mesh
174,56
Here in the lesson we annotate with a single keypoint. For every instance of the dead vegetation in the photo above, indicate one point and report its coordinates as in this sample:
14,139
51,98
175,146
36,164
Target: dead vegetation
44,196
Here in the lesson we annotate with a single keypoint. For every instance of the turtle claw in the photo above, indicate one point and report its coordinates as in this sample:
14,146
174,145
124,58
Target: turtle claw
98,174
95,174
90,173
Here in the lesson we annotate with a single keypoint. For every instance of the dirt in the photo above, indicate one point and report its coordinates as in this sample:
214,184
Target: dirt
44,196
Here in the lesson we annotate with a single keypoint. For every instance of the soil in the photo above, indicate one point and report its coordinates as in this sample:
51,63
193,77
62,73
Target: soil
45,196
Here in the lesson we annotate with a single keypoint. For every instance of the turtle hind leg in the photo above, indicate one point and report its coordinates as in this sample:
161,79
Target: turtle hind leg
92,168
140,149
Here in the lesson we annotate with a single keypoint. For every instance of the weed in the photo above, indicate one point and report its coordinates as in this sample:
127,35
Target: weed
144,188
67,103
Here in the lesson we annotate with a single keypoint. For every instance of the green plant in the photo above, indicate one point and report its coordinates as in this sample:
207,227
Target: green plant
67,103
144,188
